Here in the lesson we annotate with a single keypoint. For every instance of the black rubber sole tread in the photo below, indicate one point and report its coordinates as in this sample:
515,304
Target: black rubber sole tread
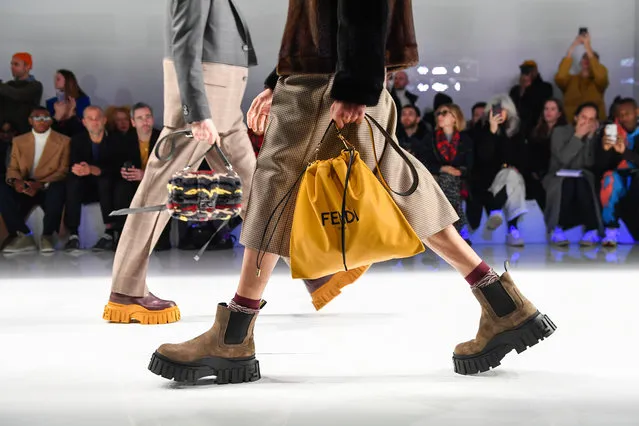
527,335
227,371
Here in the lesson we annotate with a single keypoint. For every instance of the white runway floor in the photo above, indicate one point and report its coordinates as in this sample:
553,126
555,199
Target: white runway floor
380,354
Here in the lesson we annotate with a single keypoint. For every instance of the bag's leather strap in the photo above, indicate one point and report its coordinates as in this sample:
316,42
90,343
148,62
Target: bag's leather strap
171,137
390,141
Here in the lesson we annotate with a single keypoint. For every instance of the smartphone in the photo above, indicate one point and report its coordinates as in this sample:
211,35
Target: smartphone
60,95
128,165
583,30
611,133
497,109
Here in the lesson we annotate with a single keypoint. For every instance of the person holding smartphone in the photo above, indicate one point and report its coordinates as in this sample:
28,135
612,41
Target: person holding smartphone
619,163
589,85
497,181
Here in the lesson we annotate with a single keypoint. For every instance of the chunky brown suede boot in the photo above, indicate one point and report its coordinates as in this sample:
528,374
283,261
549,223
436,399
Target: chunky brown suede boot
508,321
226,351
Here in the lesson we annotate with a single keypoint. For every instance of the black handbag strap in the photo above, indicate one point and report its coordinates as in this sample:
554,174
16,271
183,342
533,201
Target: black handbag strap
389,141
171,138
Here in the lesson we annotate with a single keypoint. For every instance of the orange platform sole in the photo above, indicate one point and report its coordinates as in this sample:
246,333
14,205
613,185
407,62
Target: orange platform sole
115,312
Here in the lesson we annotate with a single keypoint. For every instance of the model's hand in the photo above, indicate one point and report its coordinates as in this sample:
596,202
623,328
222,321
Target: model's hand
345,112
205,131
259,111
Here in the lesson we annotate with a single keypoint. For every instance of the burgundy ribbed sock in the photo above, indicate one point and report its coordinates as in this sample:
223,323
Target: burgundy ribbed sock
244,304
482,276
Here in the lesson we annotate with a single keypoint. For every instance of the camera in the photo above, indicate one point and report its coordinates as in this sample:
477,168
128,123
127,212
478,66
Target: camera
583,30
128,165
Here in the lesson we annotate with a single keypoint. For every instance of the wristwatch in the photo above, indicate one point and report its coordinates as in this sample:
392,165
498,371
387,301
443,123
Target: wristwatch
11,182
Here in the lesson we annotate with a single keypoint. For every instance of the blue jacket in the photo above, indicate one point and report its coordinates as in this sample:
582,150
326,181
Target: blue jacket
80,104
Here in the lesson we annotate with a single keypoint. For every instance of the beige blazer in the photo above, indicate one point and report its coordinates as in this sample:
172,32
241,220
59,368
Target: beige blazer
53,165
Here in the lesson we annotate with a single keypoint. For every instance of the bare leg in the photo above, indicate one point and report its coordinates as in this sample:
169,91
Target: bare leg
451,247
251,286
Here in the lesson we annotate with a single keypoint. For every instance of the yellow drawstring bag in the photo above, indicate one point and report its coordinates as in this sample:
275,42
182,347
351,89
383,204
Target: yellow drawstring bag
345,219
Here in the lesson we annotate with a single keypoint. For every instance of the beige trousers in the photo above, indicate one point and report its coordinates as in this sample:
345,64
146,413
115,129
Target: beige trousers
225,87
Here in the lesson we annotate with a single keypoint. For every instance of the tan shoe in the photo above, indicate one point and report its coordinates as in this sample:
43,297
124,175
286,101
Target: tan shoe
21,244
508,321
226,351
47,245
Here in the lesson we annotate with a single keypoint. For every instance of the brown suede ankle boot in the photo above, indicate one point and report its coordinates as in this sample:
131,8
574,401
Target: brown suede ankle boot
508,321
226,351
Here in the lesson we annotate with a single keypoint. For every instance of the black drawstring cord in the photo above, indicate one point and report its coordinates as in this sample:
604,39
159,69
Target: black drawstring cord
351,154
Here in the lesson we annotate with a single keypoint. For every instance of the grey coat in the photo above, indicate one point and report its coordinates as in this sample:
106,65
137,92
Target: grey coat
568,152
199,31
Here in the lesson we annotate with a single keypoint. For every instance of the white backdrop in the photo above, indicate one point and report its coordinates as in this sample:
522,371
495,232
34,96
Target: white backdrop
115,48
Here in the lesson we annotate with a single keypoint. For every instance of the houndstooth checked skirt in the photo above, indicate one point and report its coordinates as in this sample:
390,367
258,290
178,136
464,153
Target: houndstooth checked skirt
300,115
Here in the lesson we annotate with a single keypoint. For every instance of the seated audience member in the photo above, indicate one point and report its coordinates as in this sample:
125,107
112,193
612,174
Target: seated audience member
132,157
65,119
588,86
496,182
570,186
448,156
612,110
68,91
93,162
35,177
19,96
539,150
477,112
413,136
529,95
400,95
119,121
7,133
619,158
429,118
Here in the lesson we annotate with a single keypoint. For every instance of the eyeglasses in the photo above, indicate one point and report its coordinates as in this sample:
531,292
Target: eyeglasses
442,113
41,118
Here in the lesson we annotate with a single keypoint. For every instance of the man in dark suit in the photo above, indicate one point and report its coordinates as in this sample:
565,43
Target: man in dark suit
401,96
94,164
208,53
132,156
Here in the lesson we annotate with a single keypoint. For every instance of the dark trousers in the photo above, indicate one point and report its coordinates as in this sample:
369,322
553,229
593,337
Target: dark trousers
86,190
577,205
535,191
451,187
123,193
15,207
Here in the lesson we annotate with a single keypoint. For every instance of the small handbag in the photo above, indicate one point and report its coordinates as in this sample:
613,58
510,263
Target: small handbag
197,196
345,217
